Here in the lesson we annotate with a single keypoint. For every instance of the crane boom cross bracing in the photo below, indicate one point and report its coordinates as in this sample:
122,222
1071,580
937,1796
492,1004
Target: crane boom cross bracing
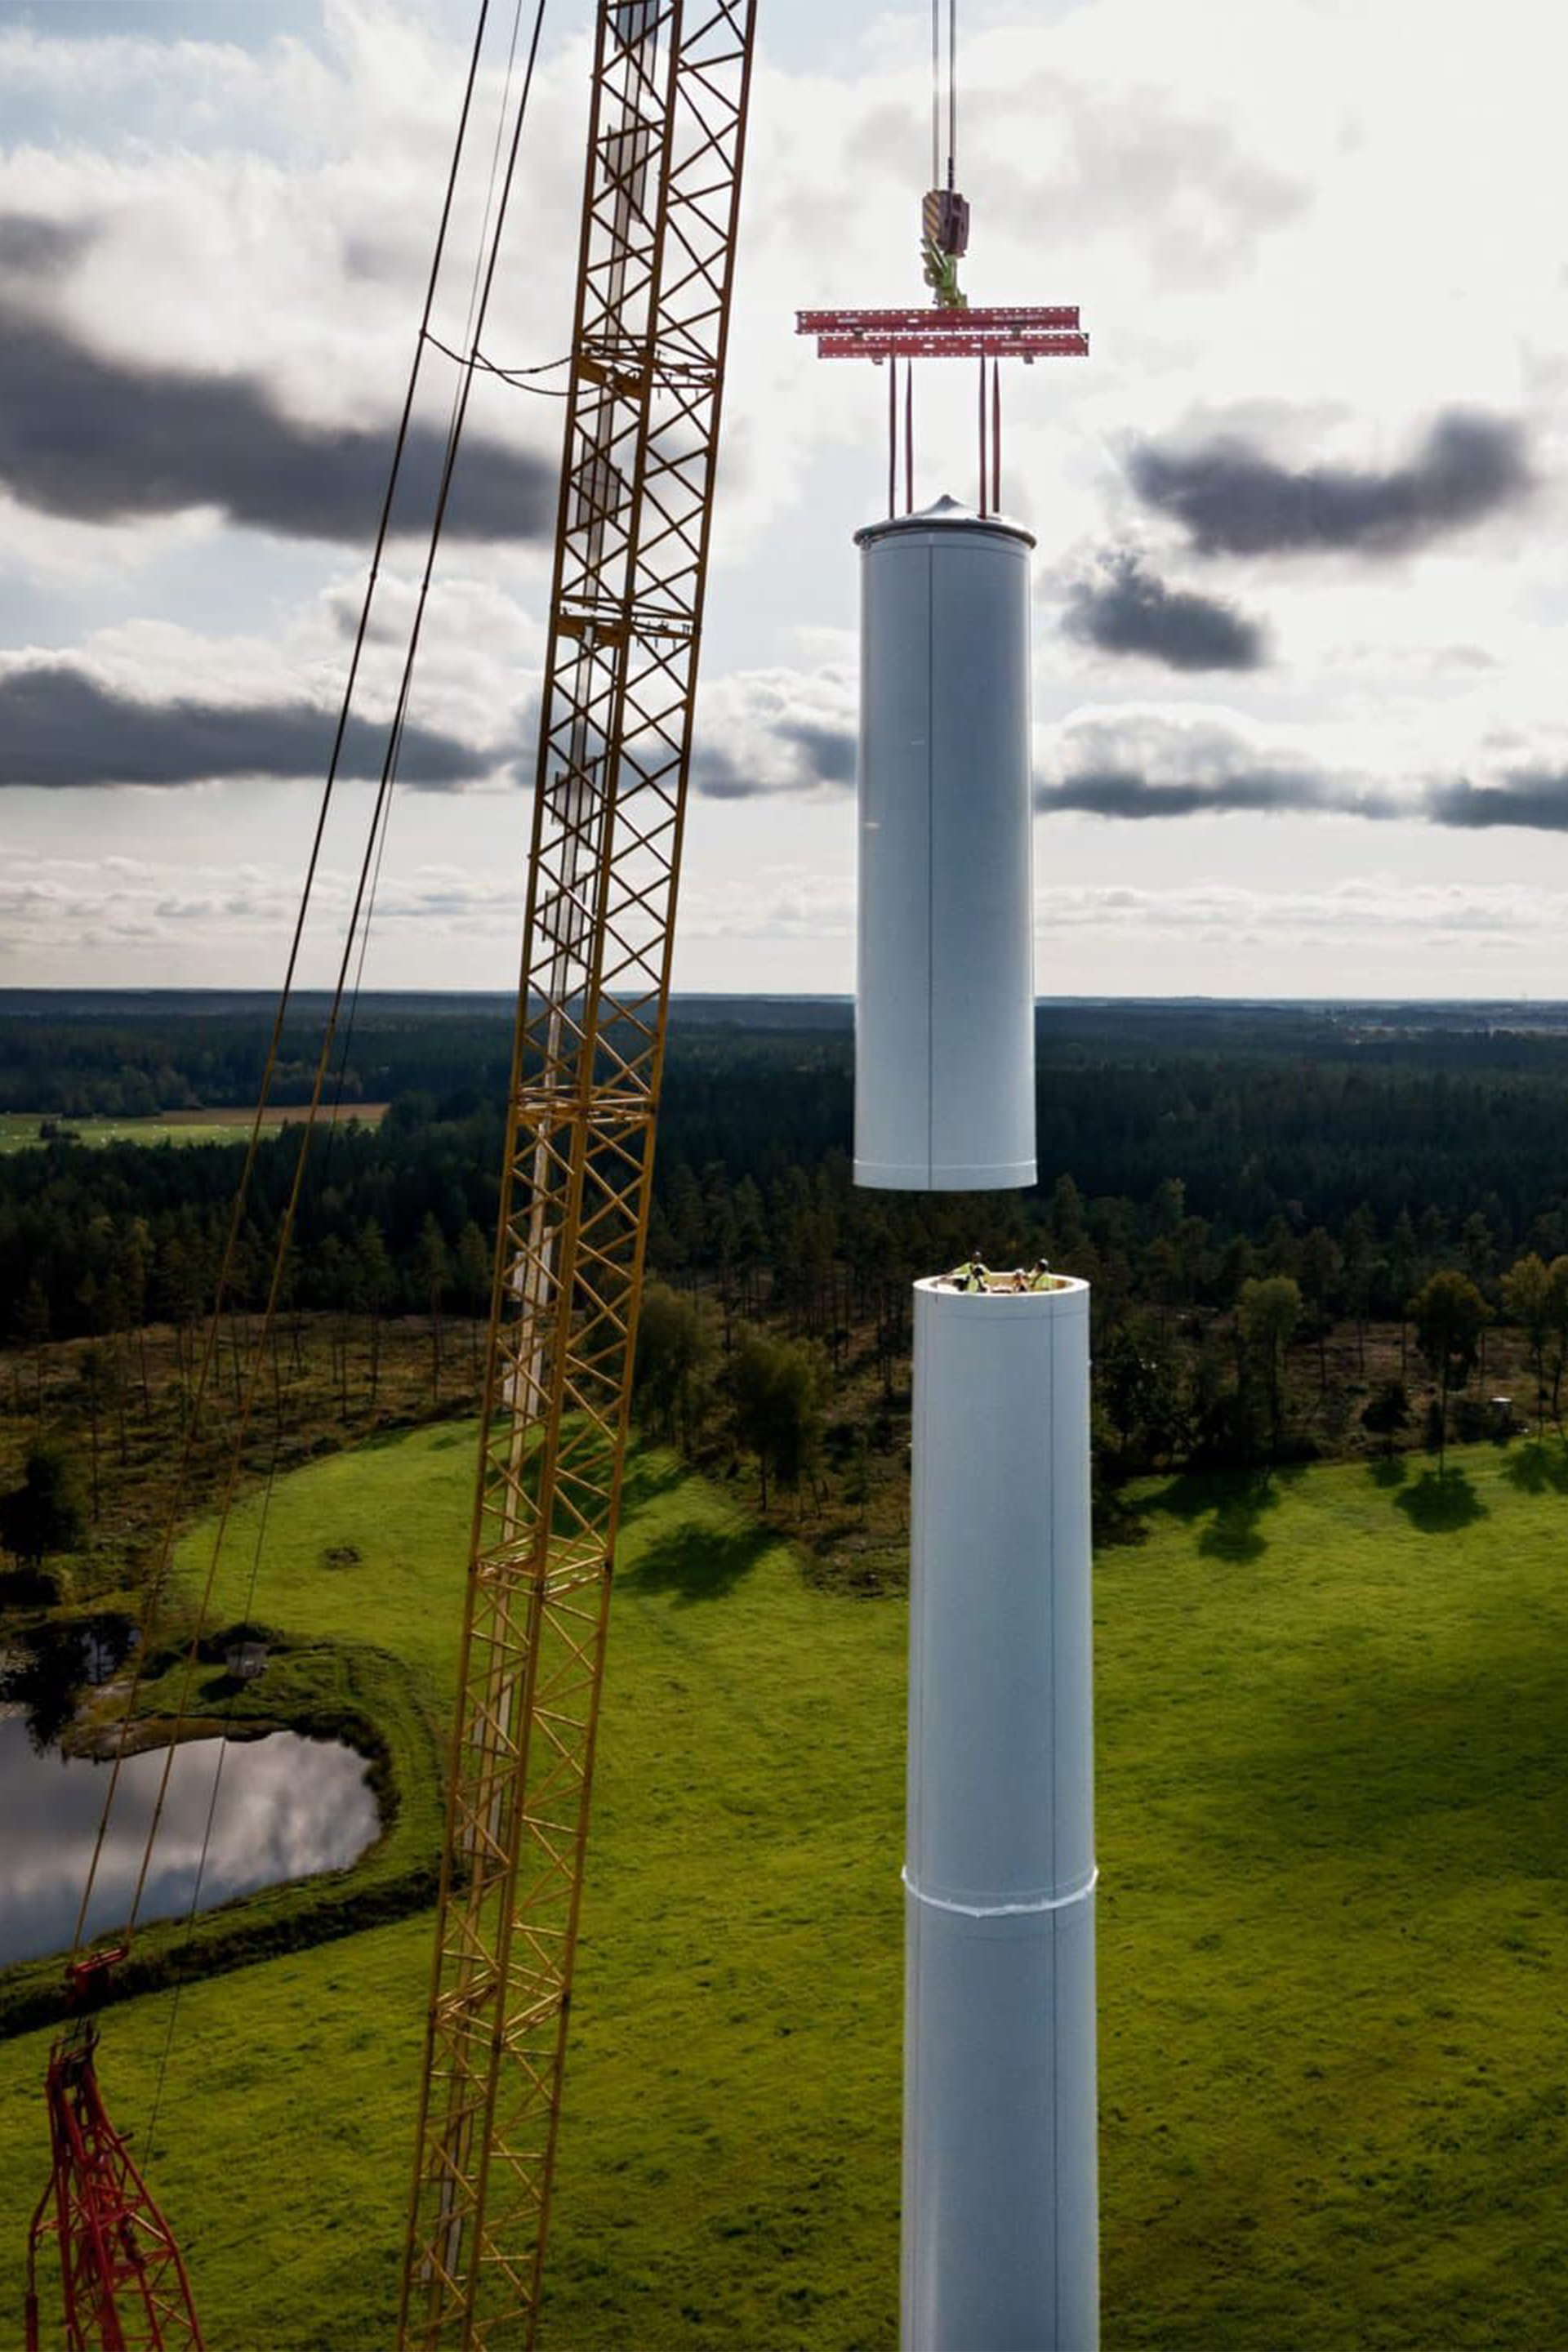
670,88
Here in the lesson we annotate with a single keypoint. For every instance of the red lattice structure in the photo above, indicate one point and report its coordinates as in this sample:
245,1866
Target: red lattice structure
990,336
122,2283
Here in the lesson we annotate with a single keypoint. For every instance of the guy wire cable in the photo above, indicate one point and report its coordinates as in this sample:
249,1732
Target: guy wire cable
182,1478
323,1063
266,1506
452,427
258,1549
193,1908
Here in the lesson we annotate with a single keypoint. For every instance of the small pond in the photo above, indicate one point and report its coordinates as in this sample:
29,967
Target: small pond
287,1807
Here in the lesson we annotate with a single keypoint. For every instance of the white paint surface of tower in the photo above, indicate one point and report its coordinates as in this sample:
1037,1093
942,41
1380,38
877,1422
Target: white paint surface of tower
944,1060
1000,2207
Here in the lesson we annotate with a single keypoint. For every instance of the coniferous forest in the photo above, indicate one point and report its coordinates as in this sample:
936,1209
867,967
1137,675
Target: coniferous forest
1310,1230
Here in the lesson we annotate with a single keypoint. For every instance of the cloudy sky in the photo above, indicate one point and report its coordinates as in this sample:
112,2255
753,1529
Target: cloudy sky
1303,567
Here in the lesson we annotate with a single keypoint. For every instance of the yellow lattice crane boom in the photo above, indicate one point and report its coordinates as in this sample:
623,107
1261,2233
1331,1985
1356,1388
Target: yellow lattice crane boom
671,85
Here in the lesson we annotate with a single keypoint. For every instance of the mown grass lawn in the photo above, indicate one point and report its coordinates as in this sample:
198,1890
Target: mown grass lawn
1333,1829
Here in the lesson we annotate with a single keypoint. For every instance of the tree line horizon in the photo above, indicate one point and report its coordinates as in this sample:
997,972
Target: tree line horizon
1238,1184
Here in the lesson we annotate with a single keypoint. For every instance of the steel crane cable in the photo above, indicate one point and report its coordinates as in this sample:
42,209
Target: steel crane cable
182,1478
488,261
158,1580
936,171
380,826
466,358
952,92
462,357
517,377
936,93
264,1512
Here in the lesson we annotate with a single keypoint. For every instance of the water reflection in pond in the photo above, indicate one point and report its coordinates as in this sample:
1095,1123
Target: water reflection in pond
287,1807
44,1668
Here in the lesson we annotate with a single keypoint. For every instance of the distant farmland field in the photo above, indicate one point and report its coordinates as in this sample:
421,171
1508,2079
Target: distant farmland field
19,1129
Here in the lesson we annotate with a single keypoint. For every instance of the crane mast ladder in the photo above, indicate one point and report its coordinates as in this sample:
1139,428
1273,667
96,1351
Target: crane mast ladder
669,93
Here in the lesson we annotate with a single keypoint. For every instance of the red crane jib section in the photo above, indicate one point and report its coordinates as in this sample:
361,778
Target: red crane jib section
123,2285
931,334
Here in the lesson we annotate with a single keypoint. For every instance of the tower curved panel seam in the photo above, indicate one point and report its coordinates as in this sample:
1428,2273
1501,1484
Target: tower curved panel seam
931,865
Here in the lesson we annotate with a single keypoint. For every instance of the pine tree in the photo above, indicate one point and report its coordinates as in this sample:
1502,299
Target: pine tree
34,1324
45,1513
1448,1313
1267,1315
777,1388
374,1282
434,1273
476,1275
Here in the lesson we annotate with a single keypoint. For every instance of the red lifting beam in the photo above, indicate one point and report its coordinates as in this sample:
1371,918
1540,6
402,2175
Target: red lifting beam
947,333
1013,333
953,347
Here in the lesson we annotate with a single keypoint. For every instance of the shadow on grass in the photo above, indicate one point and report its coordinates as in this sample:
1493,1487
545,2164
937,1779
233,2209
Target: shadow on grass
1237,1499
701,1563
1388,1470
648,1475
27,1588
1440,1505
1356,1748
440,1436
219,1688
1536,1471
442,1440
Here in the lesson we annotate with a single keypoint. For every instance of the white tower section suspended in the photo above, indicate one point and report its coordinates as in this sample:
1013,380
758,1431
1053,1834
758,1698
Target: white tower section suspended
944,1054
1000,2214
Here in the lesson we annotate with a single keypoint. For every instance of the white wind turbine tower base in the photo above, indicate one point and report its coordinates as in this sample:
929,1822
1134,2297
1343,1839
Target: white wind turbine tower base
1000,2218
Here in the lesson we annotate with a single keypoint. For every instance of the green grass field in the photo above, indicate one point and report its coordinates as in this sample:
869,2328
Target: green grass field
1333,1830
19,1128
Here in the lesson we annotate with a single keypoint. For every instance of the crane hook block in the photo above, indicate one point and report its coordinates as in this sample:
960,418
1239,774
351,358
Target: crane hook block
944,222
944,241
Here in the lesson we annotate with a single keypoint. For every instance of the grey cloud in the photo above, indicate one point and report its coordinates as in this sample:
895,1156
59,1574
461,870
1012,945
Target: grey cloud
1124,608
1532,797
719,778
33,246
1196,193
96,440
829,754
169,20
1463,657
59,728
1529,798
1114,792
831,750
1233,498
372,257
